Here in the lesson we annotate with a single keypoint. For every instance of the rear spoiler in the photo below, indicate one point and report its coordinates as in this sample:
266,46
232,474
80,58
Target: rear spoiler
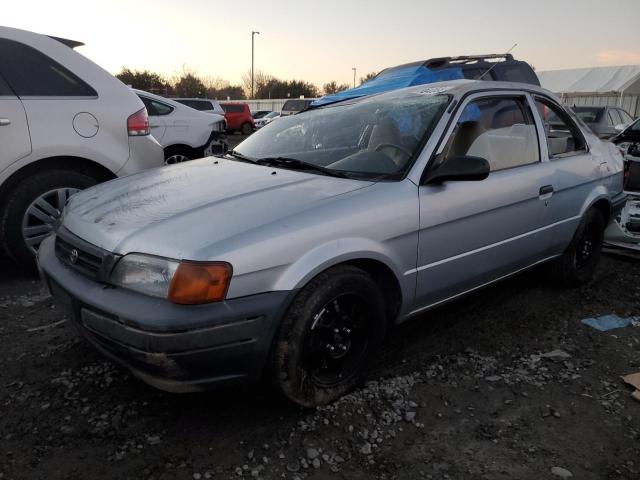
67,42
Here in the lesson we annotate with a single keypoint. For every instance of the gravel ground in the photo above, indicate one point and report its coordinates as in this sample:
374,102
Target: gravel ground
462,392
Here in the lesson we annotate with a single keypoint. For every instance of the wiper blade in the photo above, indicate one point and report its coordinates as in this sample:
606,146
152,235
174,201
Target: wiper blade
241,157
295,164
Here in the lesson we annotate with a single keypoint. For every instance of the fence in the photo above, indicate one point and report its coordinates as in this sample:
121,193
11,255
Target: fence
273,104
631,103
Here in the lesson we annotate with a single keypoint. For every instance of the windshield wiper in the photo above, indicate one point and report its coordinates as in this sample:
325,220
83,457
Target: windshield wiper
295,164
241,157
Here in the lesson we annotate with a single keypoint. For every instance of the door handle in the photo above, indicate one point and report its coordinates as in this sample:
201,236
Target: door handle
4,122
545,192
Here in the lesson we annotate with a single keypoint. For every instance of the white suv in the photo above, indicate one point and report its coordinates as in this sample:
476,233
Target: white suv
65,124
184,132
202,104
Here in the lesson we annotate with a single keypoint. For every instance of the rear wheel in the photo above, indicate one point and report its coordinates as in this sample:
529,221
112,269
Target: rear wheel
246,128
174,155
578,263
33,210
329,335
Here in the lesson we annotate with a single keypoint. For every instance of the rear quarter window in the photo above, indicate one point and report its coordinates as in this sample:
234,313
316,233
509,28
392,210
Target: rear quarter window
31,73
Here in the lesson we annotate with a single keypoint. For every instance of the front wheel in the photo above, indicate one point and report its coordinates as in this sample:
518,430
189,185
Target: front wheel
328,337
578,263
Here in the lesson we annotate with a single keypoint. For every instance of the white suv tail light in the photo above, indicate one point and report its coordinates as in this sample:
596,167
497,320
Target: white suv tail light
138,123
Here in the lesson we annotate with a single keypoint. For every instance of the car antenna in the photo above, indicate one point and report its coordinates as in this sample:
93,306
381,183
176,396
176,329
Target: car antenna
491,68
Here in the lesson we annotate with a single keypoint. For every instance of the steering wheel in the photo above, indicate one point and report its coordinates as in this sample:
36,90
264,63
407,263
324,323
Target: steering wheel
400,149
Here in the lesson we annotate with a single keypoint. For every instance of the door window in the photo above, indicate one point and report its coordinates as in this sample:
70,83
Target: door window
4,89
155,108
31,73
563,135
626,118
615,117
498,129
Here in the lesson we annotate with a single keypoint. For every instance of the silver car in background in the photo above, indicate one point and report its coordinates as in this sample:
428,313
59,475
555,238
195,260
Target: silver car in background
293,254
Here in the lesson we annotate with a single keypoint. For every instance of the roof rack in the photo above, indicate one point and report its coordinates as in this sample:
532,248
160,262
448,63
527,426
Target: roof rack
441,61
67,42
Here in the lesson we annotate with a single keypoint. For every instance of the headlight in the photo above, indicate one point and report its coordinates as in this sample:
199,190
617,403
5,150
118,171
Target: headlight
183,282
144,274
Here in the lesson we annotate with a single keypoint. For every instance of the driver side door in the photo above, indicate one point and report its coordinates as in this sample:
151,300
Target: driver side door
474,232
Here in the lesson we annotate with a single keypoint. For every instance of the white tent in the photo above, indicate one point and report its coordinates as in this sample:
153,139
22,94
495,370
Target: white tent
619,86
600,80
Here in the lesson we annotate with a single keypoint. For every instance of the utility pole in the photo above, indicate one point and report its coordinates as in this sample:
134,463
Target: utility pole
252,35
354,76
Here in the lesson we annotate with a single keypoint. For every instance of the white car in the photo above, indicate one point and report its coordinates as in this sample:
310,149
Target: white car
184,132
268,118
65,124
202,104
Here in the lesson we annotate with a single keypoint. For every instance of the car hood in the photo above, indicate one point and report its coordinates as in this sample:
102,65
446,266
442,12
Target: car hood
179,210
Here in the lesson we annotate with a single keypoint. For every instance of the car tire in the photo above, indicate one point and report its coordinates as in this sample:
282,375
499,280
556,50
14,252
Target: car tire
246,128
320,353
177,154
578,263
51,188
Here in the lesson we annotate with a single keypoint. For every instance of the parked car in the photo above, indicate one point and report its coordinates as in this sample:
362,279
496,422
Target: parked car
497,67
606,122
624,232
184,132
259,114
291,107
238,118
294,253
65,124
202,104
268,118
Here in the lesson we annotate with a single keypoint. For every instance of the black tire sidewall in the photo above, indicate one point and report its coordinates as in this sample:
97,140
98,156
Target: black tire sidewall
19,199
568,273
246,128
289,374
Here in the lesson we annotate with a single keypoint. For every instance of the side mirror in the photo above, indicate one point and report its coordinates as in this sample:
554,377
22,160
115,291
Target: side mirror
461,168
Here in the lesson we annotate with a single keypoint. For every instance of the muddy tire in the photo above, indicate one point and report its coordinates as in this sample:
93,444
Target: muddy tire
328,337
578,263
44,194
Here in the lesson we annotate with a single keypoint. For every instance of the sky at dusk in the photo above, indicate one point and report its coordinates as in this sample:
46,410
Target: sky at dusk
321,41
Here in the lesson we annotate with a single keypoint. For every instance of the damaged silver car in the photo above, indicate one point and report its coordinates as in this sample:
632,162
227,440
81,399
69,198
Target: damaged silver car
292,255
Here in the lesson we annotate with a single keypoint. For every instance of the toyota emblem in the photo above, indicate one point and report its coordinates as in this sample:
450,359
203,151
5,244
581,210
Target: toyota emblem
73,256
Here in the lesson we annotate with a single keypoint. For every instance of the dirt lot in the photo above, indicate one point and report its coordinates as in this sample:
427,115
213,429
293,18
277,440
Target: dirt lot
458,393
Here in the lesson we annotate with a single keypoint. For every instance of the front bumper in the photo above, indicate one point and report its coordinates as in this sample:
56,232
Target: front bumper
175,348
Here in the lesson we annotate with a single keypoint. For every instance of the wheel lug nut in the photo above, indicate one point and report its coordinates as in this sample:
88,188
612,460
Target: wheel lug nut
335,330
330,347
346,330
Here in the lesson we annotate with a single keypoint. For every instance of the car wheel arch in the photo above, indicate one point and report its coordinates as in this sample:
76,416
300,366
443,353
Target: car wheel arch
79,164
381,268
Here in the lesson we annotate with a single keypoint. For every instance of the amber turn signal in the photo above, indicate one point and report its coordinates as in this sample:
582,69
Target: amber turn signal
199,282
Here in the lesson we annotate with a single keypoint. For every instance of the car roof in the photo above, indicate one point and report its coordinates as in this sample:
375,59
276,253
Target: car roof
194,98
455,88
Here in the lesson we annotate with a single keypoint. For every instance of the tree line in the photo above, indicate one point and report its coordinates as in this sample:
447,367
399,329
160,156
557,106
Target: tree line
189,84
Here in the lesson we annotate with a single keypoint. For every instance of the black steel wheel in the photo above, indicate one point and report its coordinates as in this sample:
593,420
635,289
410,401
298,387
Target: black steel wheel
330,333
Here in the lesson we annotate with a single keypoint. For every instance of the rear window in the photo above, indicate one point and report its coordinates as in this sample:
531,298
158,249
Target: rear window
197,104
515,72
31,73
231,108
294,105
589,115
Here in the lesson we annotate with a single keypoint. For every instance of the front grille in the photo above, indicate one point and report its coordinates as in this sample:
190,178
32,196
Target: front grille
82,256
